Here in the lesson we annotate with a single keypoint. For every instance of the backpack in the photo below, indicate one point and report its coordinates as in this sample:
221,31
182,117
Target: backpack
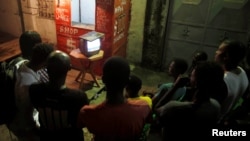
8,107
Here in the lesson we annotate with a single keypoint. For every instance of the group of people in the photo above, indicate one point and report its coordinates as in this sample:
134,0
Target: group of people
48,110
212,94
199,98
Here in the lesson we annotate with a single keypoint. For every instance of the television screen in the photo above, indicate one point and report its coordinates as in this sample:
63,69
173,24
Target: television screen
90,43
89,48
93,45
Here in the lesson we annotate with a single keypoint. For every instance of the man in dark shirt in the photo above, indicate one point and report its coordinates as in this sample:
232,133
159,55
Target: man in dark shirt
116,118
58,105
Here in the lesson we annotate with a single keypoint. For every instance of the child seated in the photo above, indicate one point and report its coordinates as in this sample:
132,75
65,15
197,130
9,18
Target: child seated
132,90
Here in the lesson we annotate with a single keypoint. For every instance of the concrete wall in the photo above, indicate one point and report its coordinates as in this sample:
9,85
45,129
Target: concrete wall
11,14
10,17
135,39
45,26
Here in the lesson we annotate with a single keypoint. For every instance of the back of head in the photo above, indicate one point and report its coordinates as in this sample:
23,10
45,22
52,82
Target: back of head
208,73
116,72
180,65
200,56
40,53
134,85
58,64
27,41
209,76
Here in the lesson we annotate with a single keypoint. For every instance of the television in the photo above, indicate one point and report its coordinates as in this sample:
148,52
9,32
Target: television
90,43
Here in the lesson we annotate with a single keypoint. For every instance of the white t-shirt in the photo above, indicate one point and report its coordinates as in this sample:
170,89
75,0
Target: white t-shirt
237,85
24,120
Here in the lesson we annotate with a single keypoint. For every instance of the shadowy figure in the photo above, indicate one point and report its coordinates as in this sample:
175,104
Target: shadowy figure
177,68
229,54
198,56
57,104
132,93
196,117
239,116
132,90
116,118
27,41
26,122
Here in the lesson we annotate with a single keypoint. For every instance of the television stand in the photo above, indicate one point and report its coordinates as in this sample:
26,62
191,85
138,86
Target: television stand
86,68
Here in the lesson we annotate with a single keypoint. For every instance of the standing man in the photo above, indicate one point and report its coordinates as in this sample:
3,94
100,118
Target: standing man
57,104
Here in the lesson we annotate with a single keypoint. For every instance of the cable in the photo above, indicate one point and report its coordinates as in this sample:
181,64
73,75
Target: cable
95,96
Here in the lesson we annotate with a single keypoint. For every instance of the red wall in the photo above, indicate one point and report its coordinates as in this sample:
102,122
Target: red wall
112,19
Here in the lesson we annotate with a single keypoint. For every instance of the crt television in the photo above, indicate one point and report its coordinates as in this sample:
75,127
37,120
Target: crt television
90,43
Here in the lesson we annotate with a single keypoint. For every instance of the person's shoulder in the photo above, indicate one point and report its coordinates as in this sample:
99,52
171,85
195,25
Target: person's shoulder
214,101
241,68
147,98
93,107
166,85
26,75
22,65
137,102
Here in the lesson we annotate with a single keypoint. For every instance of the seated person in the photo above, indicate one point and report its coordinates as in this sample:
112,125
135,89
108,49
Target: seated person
230,54
176,69
58,105
198,116
115,119
133,88
132,93
197,57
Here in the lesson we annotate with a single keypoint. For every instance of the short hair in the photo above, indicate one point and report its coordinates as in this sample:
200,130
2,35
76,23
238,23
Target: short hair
236,51
208,75
180,65
209,72
200,56
40,52
58,64
27,41
116,72
134,85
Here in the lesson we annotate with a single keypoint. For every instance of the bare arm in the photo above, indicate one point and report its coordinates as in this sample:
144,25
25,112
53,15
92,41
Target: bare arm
180,82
